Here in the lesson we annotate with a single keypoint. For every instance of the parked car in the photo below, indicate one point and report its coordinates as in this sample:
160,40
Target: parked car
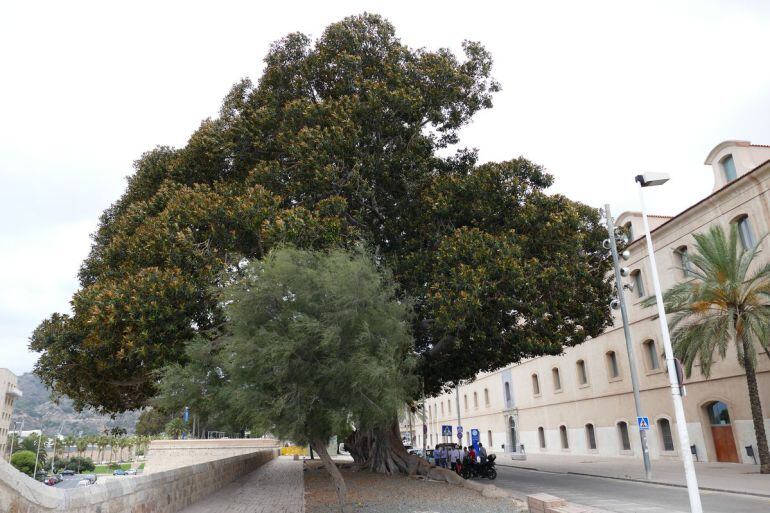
89,477
84,482
131,472
68,472
50,481
119,472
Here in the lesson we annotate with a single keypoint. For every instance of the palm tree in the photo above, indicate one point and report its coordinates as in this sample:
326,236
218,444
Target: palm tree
726,302
81,443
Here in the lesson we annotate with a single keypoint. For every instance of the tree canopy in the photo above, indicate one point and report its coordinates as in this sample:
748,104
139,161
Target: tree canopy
351,137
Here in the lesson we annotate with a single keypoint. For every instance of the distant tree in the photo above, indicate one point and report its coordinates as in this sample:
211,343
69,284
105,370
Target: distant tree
175,428
81,443
725,301
30,443
80,464
118,431
24,461
319,343
151,421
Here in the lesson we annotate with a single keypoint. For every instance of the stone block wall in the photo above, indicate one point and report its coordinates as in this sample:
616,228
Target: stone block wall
161,492
168,454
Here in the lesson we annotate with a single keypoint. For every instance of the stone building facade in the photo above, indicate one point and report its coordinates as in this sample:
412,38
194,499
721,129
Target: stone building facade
581,402
9,392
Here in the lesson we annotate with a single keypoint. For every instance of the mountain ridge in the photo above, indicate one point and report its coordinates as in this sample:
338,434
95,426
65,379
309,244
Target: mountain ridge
37,409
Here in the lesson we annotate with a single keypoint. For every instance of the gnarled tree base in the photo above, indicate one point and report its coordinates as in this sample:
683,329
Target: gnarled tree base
380,450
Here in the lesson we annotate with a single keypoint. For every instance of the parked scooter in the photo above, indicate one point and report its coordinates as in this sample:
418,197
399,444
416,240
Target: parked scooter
484,470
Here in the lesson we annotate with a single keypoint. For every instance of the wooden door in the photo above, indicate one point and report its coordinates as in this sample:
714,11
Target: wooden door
724,443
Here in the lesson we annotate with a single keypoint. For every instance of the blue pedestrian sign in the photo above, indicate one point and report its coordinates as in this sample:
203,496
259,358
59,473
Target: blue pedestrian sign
446,430
643,423
459,432
475,439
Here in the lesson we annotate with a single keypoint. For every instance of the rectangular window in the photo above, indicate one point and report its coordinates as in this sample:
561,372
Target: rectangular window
652,355
638,284
535,384
581,371
612,364
556,379
665,434
728,165
591,436
625,442
747,236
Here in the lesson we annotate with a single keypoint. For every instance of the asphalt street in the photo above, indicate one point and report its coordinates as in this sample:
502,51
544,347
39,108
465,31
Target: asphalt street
623,496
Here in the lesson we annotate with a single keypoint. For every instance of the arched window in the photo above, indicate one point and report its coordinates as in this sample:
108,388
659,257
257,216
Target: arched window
636,276
475,400
507,394
465,400
449,406
564,437
489,440
728,168
442,409
612,365
541,437
581,372
718,413
590,436
535,384
666,438
652,355
745,232
486,397
625,442
556,379
683,261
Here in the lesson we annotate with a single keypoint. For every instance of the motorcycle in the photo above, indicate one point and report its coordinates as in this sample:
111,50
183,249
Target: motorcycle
484,470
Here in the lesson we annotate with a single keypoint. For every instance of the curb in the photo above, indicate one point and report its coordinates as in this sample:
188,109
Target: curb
636,480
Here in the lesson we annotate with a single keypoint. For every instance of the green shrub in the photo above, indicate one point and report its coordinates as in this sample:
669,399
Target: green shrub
24,461
82,464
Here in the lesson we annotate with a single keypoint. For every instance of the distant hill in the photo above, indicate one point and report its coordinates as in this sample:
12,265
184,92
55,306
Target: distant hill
37,409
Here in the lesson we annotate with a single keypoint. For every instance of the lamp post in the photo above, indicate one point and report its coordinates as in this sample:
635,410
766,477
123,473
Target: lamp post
629,343
651,180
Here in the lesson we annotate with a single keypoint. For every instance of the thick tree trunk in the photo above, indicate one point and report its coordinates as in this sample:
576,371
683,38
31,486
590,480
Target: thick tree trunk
334,473
381,451
756,408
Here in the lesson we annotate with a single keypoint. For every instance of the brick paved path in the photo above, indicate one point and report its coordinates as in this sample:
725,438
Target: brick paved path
275,487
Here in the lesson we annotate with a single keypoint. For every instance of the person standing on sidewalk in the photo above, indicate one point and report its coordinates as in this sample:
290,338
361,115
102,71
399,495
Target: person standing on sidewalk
482,453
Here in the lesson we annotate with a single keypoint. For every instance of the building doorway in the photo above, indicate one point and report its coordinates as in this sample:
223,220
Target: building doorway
512,429
722,432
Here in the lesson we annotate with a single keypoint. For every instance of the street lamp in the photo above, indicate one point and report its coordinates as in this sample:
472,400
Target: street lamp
651,180
621,302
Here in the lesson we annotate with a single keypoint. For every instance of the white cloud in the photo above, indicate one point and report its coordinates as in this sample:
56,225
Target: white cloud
595,91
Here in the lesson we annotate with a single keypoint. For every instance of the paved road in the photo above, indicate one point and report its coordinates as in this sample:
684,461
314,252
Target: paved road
623,496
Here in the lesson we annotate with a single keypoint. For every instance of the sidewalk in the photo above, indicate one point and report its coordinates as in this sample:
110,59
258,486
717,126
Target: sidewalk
721,477
275,487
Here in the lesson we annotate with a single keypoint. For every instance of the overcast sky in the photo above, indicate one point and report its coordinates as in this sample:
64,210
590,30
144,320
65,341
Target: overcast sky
594,91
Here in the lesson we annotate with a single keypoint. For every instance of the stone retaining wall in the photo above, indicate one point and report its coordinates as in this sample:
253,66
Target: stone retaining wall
162,492
168,454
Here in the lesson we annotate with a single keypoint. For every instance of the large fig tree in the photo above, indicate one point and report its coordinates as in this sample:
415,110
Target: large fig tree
350,137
